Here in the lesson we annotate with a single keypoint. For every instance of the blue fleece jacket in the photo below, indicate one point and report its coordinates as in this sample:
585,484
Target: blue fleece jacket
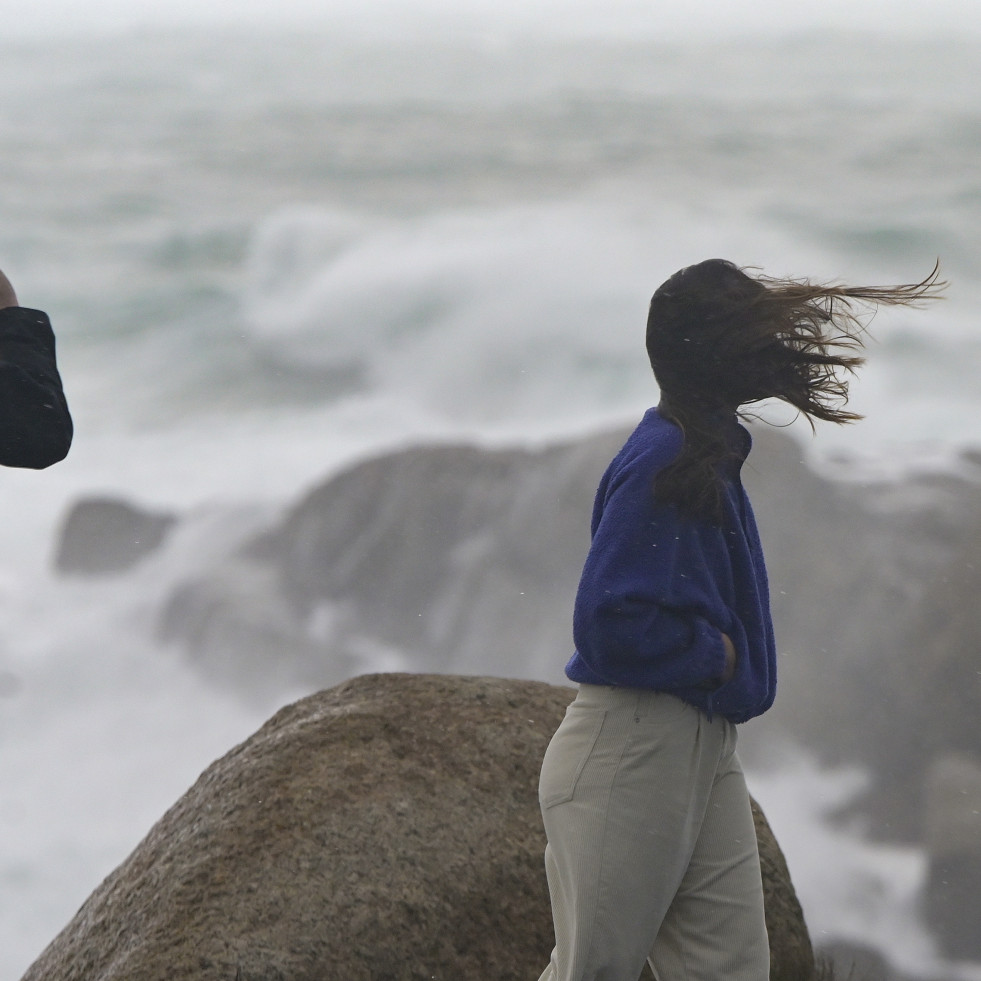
658,589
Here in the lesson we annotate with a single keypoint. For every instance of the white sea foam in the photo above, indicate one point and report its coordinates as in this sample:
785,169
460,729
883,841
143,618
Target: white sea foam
850,890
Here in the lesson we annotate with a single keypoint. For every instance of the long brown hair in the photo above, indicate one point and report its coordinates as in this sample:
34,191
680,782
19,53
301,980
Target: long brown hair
720,339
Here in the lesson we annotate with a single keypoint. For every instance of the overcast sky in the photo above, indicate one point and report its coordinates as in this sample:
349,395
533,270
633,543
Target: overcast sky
663,17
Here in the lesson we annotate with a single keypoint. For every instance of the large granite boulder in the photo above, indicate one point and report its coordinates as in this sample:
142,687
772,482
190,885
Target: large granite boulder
385,829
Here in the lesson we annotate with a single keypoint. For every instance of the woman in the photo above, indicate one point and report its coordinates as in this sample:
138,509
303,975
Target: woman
651,847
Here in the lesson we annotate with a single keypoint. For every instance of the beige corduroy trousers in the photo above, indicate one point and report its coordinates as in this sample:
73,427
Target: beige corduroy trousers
651,849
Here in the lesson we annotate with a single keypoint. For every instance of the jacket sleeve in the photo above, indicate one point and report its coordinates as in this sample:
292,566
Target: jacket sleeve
647,612
35,424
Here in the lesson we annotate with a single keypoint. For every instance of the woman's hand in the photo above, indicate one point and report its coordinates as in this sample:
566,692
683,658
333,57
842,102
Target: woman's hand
730,668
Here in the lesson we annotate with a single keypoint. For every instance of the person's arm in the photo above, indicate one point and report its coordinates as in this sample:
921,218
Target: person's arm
648,612
35,424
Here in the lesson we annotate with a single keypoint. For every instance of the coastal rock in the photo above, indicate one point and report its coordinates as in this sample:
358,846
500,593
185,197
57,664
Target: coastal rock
240,616
919,702
853,569
444,558
105,535
457,558
464,559
857,962
953,842
387,828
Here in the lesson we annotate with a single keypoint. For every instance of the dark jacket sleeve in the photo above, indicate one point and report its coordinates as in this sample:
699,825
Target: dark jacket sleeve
35,424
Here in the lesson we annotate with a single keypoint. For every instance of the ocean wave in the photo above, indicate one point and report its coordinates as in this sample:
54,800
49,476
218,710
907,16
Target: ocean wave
488,312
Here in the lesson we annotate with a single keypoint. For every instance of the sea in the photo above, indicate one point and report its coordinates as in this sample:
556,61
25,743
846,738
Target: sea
268,254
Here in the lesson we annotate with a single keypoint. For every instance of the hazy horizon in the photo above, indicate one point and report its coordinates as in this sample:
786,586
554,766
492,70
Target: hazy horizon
698,18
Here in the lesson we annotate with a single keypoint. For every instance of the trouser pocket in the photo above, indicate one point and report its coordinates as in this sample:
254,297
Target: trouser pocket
568,753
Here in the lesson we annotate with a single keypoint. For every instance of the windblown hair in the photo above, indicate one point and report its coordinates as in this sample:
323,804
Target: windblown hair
719,339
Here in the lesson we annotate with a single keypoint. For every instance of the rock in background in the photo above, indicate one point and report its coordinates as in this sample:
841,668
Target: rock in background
458,559
386,829
446,558
953,835
105,535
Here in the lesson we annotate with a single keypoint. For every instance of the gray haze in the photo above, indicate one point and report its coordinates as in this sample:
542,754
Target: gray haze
695,17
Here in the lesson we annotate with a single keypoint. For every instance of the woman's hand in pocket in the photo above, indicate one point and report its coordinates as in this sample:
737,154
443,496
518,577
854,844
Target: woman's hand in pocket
730,668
